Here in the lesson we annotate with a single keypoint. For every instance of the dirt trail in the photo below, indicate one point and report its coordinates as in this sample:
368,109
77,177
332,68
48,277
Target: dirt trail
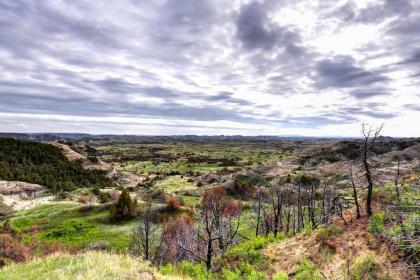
355,241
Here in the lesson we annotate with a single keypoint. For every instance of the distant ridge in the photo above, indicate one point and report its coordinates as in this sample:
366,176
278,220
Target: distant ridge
148,138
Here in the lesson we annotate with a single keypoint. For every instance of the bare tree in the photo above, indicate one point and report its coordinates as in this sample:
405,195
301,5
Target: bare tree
218,227
276,208
258,211
146,236
370,137
356,201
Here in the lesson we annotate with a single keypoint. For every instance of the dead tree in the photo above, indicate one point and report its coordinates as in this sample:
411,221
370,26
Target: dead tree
218,227
257,207
398,197
356,201
370,137
276,208
146,236
309,184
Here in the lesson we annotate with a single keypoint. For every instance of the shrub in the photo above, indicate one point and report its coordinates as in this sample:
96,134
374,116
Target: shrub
193,270
377,223
328,233
125,208
241,189
245,271
69,228
172,204
9,228
96,190
167,269
93,159
280,276
365,268
306,270
11,248
104,197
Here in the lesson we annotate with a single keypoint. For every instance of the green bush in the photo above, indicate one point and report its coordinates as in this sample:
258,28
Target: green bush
280,276
365,268
186,268
96,190
69,228
245,271
104,197
377,223
167,269
306,270
125,208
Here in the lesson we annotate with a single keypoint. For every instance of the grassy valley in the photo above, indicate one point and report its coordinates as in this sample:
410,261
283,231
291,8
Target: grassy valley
211,208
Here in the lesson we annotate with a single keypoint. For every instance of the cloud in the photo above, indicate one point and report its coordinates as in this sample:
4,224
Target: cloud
252,67
368,93
341,72
374,11
255,30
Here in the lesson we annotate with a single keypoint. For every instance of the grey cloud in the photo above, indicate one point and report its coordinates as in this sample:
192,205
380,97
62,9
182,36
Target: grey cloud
374,12
253,27
367,93
227,97
365,111
341,72
414,107
21,103
255,30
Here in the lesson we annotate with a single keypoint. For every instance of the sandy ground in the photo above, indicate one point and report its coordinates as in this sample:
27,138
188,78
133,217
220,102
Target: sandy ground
17,203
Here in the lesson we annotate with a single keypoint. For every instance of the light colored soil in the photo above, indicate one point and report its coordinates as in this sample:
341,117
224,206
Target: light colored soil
19,188
17,203
22,195
68,152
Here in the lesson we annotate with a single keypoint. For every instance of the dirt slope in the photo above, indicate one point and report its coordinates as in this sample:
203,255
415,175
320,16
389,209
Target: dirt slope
336,255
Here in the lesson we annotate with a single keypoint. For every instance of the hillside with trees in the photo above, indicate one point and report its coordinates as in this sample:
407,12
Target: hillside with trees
44,164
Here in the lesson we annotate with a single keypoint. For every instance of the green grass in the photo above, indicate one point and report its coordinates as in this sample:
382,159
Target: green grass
89,266
376,223
191,200
307,270
174,184
173,157
57,222
180,166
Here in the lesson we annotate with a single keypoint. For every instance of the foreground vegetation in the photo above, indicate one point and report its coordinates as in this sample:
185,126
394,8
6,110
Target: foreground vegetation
86,266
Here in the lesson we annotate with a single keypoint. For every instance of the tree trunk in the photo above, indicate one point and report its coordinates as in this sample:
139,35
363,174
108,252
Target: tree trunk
369,179
356,201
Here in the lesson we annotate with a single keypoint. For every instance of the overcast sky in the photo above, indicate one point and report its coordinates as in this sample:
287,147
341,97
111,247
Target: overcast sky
274,67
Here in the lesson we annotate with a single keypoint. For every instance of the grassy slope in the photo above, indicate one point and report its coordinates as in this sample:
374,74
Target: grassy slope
53,215
353,243
89,266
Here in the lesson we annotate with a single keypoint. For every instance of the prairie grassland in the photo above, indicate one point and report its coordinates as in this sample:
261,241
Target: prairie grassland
90,266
